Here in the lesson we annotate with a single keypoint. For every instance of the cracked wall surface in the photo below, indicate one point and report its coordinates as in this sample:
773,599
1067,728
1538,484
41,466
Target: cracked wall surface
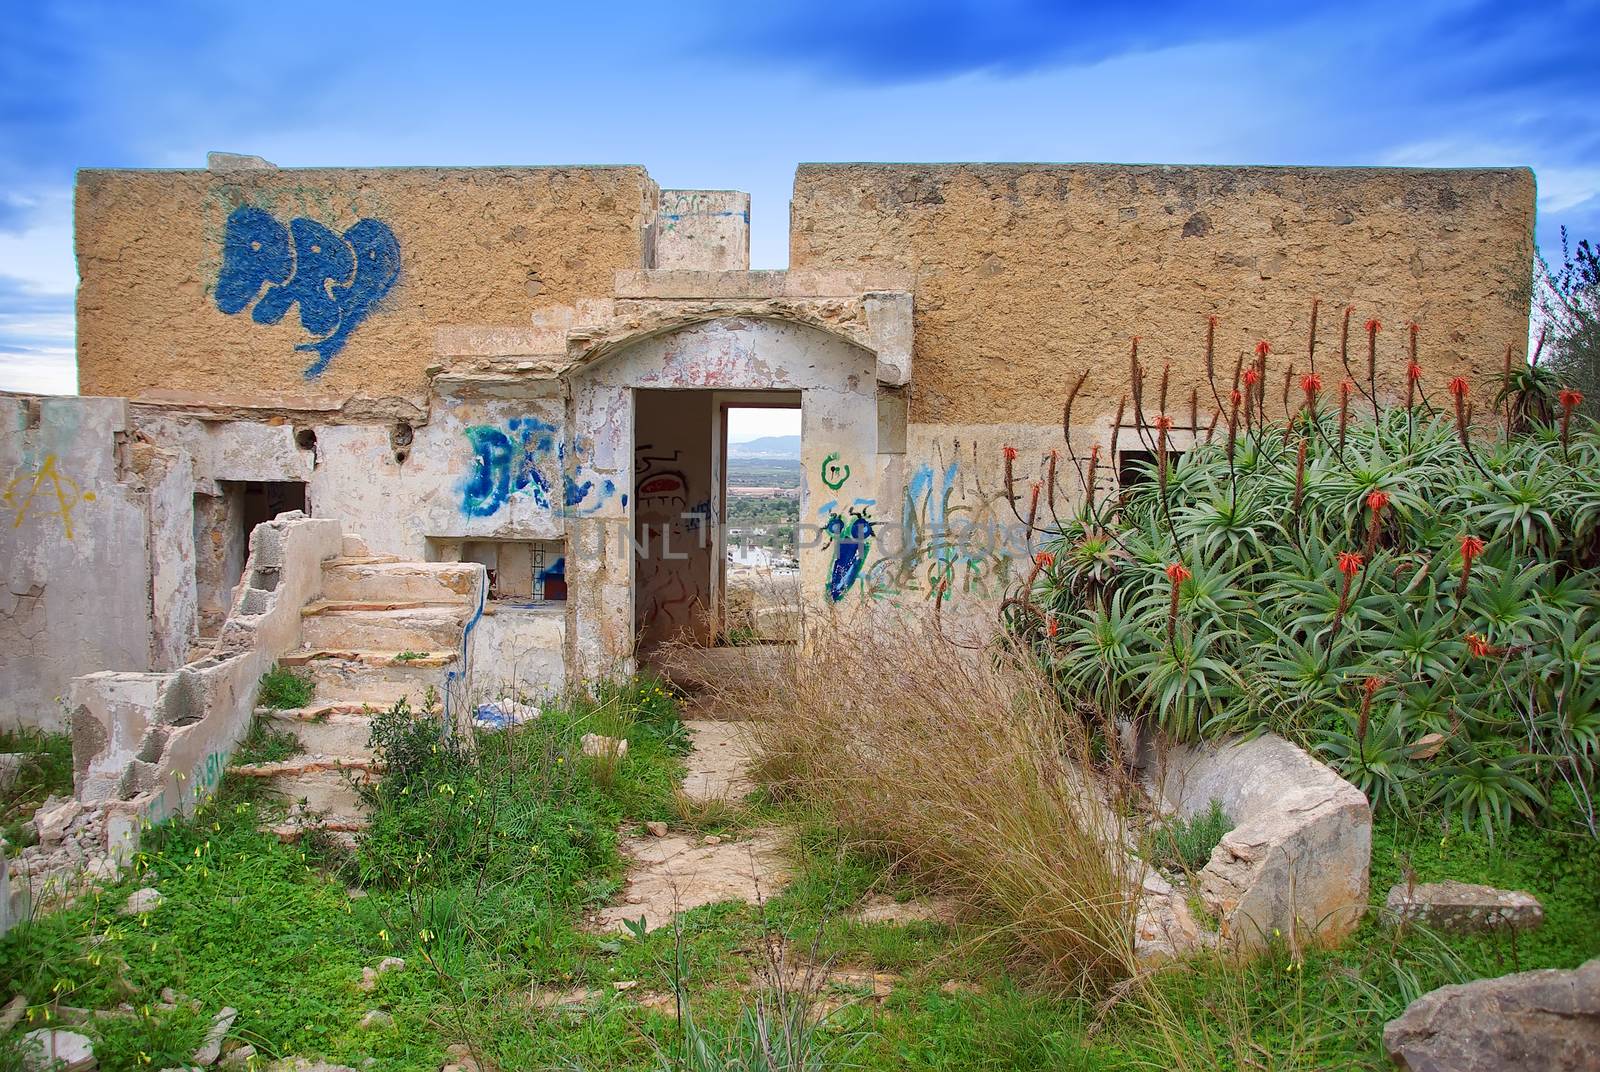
160,313
1025,274
75,550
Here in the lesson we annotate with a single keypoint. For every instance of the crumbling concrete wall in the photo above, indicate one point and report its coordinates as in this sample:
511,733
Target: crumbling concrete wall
150,746
210,285
77,548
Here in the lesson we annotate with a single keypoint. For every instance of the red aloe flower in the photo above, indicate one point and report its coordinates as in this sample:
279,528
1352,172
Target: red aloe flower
1311,384
1413,371
1263,348
1045,559
1369,690
1349,565
1480,647
1010,453
1570,400
1051,626
1458,391
1251,376
1373,326
1177,574
1471,548
1377,499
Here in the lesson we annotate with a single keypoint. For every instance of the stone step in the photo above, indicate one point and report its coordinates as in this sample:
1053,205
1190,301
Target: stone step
320,784
341,828
429,628
376,678
349,606
441,582
359,560
332,729
354,545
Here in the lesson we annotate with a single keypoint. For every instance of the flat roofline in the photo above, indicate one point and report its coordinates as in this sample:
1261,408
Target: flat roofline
973,165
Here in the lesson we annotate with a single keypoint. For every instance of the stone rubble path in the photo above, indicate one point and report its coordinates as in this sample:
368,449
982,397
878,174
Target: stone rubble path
680,872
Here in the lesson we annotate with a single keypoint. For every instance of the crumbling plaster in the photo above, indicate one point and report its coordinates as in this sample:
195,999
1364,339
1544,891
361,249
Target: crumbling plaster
152,745
76,549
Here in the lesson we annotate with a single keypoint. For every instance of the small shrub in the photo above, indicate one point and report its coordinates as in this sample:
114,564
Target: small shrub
1181,844
283,689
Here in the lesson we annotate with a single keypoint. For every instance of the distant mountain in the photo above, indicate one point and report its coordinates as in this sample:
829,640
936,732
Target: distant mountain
772,446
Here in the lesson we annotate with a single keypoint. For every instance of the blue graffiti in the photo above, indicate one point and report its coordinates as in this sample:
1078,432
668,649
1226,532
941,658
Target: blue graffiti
507,461
336,280
851,540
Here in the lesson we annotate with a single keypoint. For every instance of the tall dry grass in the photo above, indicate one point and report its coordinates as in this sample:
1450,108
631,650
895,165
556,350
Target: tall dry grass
961,765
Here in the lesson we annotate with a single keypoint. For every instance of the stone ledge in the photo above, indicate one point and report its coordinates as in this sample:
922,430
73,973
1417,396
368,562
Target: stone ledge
682,284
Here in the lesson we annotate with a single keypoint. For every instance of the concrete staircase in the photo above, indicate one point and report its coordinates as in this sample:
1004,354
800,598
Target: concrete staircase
384,630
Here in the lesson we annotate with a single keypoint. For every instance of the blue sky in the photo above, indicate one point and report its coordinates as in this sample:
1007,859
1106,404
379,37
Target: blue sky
719,95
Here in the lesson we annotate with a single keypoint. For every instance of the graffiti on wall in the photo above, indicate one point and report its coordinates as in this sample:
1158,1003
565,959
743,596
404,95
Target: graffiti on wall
44,492
846,530
672,546
335,279
955,535
514,459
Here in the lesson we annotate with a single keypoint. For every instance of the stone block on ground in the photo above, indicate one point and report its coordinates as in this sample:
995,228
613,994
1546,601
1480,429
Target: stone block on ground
1464,907
45,1050
1547,1019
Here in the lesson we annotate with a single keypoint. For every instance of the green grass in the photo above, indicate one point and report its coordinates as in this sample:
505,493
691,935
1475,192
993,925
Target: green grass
482,887
1185,844
284,689
47,772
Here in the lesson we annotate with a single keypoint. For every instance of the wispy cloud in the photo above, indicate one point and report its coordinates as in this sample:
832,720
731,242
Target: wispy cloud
36,339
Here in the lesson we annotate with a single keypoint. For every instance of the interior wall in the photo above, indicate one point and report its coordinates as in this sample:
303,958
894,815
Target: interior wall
674,490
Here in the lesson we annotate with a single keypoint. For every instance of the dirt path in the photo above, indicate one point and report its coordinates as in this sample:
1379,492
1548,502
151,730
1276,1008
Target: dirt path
681,871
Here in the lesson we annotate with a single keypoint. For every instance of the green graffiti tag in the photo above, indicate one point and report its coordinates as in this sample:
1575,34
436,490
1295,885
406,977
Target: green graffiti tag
834,474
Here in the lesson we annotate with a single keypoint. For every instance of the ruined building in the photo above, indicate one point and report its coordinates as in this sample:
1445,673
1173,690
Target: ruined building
528,369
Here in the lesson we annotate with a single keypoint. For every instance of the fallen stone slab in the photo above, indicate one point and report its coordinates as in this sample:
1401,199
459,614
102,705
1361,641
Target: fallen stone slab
675,874
47,1050
1547,1019
1296,862
142,901
211,1048
1464,907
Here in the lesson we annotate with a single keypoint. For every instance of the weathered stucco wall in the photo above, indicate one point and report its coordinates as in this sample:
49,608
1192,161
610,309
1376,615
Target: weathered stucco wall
76,551
329,283
1026,274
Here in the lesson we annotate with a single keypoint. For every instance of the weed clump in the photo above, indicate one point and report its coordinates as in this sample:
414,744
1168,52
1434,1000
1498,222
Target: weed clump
963,768
1186,844
283,689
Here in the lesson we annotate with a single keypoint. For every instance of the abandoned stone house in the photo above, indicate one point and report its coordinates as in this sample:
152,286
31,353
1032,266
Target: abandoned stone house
500,395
